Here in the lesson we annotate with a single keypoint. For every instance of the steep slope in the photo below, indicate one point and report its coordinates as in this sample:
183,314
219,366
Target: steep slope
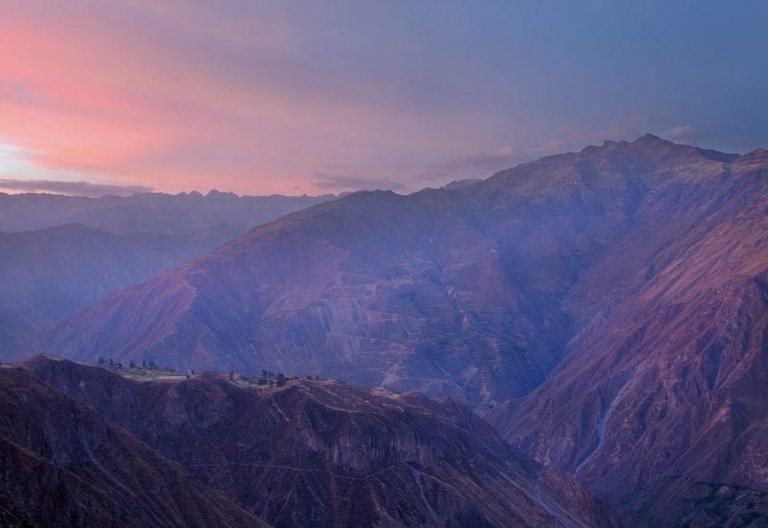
384,288
316,453
666,380
60,254
449,292
62,465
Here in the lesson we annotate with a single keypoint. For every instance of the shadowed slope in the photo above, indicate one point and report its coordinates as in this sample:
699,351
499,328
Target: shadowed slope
667,375
326,454
60,254
62,465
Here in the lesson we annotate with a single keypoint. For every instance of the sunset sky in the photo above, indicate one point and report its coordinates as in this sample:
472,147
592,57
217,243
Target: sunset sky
316,97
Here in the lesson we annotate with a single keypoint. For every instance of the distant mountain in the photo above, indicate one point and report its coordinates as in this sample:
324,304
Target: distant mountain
49,274
80,249
63,465
314,453
157,213
458,184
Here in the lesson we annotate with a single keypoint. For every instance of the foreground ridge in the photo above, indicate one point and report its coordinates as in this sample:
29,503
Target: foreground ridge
321,453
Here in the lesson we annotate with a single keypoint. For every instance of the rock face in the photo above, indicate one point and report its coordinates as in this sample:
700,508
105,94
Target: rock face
317,454
63,465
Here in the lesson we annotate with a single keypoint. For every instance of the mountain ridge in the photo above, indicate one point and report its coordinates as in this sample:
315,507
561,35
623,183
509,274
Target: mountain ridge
522,241
318,453
158,213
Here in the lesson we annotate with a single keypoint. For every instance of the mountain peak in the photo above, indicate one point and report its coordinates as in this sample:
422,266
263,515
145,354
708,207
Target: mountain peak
650,139
216,194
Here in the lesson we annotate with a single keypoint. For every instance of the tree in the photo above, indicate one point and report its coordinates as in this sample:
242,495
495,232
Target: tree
280,379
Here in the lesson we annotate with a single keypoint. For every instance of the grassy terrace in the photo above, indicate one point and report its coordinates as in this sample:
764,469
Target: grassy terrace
161,374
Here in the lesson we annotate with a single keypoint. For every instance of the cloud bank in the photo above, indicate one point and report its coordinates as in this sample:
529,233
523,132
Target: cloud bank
71,188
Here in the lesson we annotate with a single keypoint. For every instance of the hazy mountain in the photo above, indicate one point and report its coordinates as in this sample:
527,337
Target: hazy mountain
49,273
637,271
157,213
63,465
449,292
314,453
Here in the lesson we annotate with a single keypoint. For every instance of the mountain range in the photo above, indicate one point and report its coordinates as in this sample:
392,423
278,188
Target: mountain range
604,310
450,292
158,213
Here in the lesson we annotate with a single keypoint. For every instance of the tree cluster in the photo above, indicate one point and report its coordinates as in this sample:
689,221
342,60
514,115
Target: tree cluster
109,363
273,380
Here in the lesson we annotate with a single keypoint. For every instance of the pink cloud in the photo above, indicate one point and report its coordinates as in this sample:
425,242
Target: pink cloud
144,92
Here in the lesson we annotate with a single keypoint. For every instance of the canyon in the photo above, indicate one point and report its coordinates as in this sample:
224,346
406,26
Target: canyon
604,310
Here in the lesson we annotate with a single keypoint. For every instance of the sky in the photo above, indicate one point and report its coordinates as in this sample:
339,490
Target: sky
323,97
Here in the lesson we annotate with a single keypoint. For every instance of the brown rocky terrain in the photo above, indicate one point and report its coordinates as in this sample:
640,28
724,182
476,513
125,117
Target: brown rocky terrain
315,453
63,465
